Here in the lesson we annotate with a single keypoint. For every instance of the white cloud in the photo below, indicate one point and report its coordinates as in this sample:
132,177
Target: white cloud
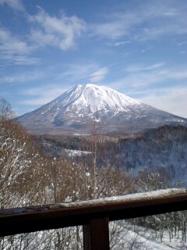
172,100
82,73
177,28
147,21
60,32
9,44
152,84
24,77
116,27
78,71
121,43
98,75
75,74
27,60
41,95
15,4
138,68
15,50
139,77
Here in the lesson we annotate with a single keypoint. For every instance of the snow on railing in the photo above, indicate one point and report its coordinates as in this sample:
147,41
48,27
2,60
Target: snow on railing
94,215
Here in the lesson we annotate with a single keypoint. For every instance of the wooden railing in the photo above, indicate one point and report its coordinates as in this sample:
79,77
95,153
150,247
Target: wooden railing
94,215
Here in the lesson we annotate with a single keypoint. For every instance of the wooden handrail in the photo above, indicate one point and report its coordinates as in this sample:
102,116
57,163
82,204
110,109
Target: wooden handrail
93,214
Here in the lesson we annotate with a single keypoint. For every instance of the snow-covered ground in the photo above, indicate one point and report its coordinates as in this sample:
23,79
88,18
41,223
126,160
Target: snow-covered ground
134,237
74,153
123,236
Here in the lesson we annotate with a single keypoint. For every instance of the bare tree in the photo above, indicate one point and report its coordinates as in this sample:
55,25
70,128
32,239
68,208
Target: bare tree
5,109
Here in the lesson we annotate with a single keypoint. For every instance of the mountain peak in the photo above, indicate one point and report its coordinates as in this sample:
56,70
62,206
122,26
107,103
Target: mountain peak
76,109
94,98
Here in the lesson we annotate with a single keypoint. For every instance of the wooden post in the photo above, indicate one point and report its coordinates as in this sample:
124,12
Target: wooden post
96,235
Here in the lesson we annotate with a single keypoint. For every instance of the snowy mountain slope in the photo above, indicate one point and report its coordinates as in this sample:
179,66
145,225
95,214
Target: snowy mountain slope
83,106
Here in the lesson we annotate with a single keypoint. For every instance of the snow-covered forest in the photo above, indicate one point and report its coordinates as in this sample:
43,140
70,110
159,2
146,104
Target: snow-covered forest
29,177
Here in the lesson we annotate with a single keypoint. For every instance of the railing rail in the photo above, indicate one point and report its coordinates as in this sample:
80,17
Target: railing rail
94,215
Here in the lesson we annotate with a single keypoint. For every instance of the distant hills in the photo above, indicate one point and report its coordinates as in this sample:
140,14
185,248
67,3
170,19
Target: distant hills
161,150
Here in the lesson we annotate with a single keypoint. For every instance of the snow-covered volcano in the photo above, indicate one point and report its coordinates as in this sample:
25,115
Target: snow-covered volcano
90,98
84,106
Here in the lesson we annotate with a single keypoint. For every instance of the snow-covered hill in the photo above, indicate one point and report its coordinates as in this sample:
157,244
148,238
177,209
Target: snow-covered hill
83,107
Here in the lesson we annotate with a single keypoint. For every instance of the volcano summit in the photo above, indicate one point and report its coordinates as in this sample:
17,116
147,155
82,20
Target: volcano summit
77,109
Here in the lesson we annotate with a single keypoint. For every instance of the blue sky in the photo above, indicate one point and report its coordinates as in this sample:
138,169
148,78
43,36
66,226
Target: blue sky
138,47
